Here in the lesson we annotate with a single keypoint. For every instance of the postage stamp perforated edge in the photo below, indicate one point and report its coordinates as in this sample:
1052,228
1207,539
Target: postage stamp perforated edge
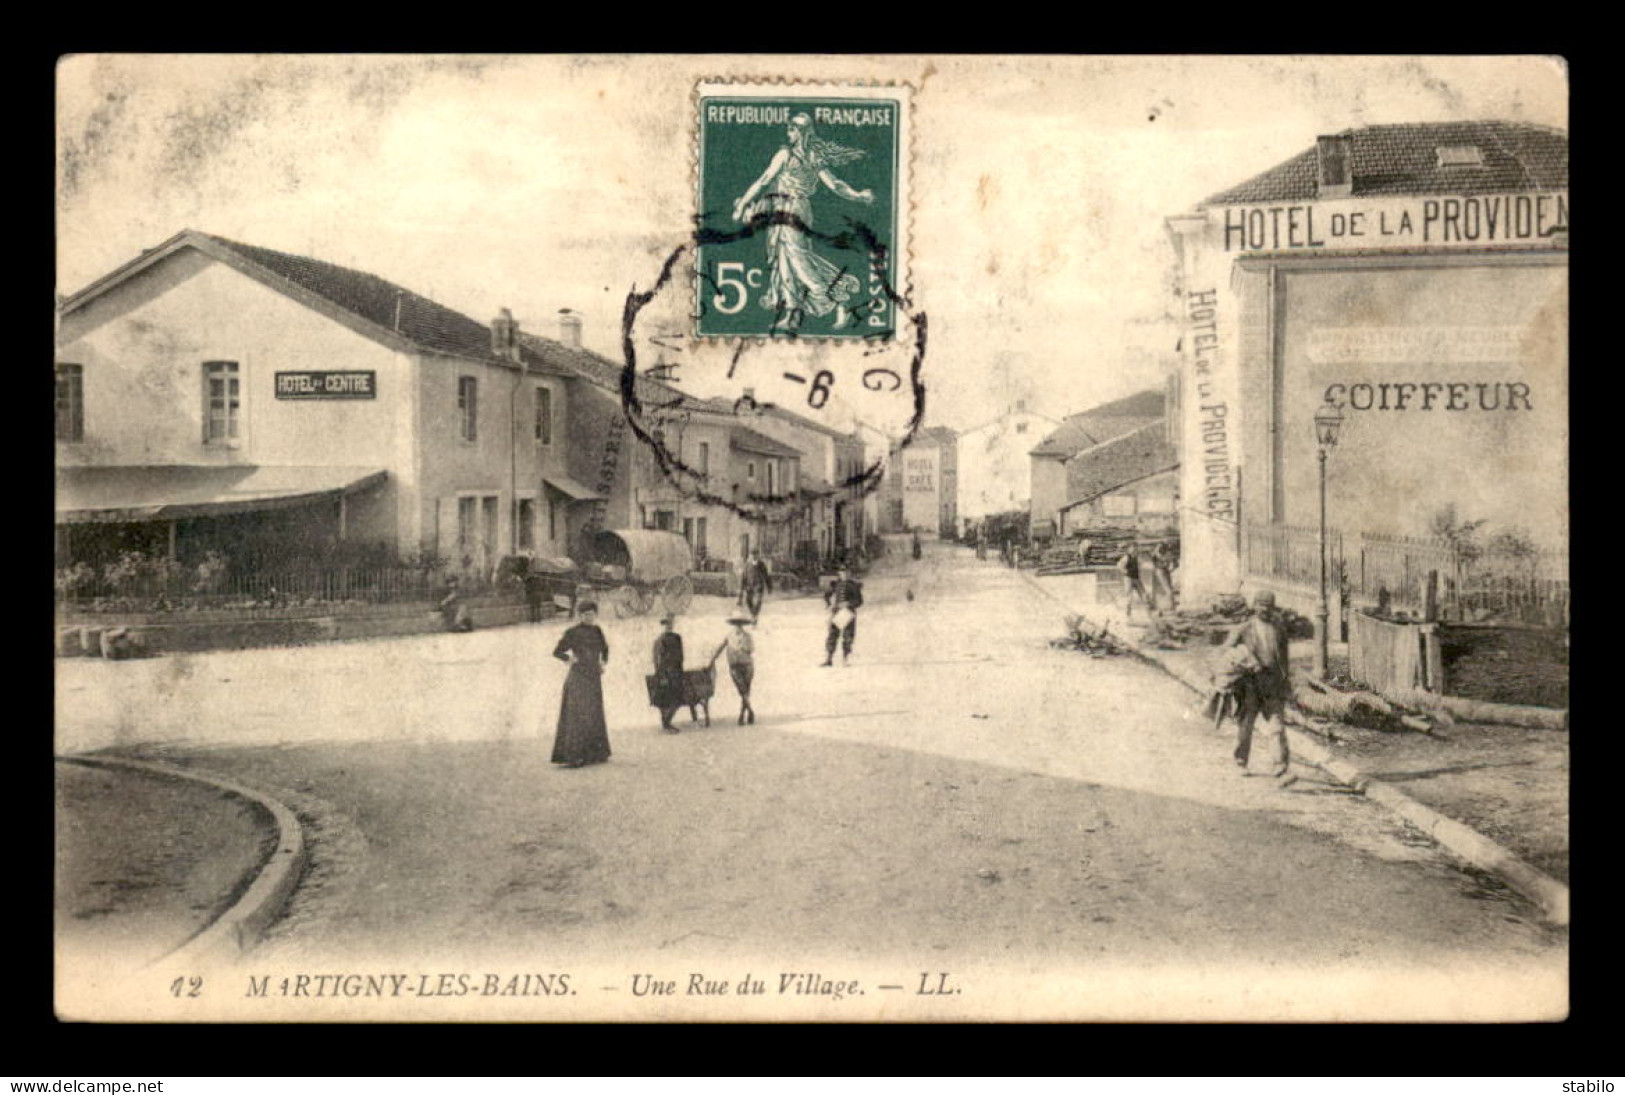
796,87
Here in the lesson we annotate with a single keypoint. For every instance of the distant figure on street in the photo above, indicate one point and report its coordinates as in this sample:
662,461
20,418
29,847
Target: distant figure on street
453,611
1264,692
582,738
669,692
981,543
755,584
741,663
844,599
916,547
1133,589
534,594
1162,571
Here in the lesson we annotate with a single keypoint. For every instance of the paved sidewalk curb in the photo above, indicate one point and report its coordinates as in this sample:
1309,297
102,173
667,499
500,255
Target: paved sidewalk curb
1550,896
238,928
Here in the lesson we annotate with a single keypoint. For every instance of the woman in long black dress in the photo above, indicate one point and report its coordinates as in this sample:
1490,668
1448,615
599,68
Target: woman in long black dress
582,738
669,691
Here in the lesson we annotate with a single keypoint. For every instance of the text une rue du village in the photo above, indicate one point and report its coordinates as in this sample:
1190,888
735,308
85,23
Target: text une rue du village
783,984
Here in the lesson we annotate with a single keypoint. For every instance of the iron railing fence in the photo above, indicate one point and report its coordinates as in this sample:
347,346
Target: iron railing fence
285,594
1474,583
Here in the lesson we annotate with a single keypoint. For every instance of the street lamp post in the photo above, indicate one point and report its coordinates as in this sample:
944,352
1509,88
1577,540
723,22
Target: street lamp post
1328,420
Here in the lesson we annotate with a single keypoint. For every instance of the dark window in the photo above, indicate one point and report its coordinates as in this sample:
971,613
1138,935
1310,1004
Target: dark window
527,523
544,416
1335,156
468,398
70,403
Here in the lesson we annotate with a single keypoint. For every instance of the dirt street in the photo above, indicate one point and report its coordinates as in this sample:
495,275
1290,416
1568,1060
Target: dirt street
144,863
1066,833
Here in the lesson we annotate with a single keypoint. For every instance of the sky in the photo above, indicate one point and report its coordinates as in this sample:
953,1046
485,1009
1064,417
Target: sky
1040,184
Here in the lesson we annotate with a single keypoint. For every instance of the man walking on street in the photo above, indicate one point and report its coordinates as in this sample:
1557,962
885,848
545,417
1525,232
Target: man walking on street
1133,589
1162,572
844,599
756,582
1266,690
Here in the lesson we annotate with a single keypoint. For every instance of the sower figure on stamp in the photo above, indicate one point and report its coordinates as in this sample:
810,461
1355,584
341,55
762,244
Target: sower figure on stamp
741,663
757,581
801,281
669,691
844,599
1265,691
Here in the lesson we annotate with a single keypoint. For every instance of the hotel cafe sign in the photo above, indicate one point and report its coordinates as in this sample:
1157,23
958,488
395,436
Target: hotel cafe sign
332,384
1523,220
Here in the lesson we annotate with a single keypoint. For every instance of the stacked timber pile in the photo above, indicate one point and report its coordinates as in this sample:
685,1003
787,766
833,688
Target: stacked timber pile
1082,638
1098,549
1354,706
1177,630
1066,559
1102,547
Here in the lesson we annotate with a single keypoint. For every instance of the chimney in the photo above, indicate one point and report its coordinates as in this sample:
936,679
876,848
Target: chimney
570,328
505,335
1335,166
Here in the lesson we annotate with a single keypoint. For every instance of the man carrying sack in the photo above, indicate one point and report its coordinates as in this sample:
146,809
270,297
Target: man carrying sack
1265,690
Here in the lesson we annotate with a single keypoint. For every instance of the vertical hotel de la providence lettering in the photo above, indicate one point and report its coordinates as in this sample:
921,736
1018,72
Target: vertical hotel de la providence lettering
1415,277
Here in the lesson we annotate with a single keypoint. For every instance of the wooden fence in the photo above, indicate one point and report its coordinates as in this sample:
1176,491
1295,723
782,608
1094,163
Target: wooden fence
1388,656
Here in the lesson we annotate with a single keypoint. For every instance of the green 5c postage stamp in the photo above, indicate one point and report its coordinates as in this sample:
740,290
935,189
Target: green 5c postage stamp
803,209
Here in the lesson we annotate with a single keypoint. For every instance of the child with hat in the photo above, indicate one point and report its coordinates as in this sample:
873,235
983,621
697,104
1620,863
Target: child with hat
741,662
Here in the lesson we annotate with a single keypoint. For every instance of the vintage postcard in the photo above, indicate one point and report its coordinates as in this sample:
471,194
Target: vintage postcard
811,538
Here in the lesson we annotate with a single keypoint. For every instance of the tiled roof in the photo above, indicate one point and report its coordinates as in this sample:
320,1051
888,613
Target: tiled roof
751,441
606,374
1118,462
806,423
419,320
1092,427
1403,160
815,486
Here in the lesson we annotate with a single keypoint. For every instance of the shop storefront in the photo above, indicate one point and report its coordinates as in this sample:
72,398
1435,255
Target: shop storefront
1415,278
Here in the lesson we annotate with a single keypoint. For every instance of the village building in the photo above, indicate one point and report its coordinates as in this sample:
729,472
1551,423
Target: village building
921,489
274,409
1413,281
730,488
1049,459
832,525
1128,483
994,469
213,396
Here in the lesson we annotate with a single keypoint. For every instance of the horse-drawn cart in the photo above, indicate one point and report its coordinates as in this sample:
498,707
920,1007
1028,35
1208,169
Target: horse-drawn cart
636,567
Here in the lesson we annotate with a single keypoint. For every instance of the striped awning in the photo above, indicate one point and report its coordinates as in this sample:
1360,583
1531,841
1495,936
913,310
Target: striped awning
167,493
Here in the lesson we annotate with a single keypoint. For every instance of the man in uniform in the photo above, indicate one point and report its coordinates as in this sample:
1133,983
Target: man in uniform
1265,691
844,598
